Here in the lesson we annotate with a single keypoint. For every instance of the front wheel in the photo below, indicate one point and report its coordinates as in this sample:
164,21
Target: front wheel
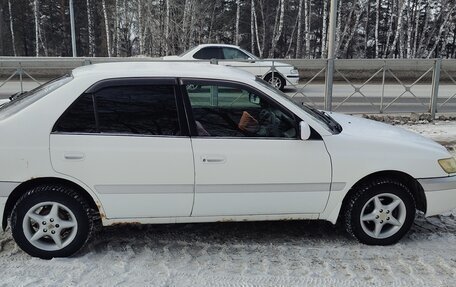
51,221
380,213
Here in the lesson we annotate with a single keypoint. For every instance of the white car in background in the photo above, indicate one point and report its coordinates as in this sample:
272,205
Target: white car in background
132,143
230,55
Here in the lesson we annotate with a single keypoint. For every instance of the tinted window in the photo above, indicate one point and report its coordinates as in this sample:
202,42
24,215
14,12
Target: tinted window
230,111
149,110
139,109
80,117
231,53
209,53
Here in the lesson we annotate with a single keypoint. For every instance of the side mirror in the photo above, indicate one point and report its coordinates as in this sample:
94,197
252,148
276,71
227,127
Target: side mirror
304,130
254,99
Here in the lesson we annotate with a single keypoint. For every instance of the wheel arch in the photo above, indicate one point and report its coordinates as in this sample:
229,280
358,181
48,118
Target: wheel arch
412,184
26,185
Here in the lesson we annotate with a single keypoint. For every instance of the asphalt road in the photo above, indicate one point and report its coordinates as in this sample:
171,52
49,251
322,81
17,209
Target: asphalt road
368,99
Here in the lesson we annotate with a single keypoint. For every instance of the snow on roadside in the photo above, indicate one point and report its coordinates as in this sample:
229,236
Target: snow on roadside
443,132
251,254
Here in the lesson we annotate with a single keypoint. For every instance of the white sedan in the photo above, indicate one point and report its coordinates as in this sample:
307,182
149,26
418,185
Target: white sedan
277,74
131,143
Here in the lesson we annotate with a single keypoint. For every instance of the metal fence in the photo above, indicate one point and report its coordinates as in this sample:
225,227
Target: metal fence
360,86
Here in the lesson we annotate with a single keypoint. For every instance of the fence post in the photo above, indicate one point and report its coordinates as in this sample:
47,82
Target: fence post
19,71
329,85
435,87
383,87
272,68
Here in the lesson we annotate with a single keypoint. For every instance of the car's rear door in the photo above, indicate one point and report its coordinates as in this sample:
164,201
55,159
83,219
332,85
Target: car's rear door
127,139
249,159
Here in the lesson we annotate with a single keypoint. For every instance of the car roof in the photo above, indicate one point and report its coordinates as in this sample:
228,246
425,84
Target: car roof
218,45
162,69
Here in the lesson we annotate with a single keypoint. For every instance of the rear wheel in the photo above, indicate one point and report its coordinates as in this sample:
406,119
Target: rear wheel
380,213
51,221
277,81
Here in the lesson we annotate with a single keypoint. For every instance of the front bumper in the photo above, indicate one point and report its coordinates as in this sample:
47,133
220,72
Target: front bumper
440,194
292,79
2,209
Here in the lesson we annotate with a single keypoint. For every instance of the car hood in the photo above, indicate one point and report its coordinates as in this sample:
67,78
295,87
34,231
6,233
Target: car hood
382,133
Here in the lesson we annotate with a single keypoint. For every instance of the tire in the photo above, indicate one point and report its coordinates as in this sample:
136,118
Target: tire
51,221
277,82
380,213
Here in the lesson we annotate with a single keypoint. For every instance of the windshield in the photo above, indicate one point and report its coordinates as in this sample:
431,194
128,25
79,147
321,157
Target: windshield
19,101
319,116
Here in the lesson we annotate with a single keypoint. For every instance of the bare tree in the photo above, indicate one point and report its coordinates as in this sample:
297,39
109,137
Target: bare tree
442,28
401,6
324,29
90,31
108,37
298,36
377,27
167,28
277,32
37,27
13,41
238,15
307,12
252,26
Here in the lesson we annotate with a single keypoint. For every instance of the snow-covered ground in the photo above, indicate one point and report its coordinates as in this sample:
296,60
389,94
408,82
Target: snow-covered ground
248,254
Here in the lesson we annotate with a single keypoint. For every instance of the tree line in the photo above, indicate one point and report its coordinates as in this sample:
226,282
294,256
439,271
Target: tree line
268,28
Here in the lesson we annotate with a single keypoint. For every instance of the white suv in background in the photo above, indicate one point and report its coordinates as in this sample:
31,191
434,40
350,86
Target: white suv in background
230,55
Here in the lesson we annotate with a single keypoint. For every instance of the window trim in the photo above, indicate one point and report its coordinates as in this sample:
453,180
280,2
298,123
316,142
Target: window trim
134,81
249,88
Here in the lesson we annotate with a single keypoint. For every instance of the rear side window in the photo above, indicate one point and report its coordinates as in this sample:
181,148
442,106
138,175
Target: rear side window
135,109
80,117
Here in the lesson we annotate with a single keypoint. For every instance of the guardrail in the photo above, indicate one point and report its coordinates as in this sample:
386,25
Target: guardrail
355,75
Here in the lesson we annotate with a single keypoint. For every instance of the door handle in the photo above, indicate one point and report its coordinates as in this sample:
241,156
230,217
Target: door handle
73,155
213,159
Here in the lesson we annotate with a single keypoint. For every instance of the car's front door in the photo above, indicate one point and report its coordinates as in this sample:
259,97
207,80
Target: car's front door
249,159
127,140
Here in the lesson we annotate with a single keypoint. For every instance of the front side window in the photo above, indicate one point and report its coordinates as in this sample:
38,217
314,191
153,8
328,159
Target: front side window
234,54
136,109
232,111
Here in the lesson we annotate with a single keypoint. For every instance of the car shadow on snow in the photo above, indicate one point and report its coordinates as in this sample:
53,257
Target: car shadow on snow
307,233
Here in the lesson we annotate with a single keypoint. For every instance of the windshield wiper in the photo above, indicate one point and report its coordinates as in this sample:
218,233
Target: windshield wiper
335,126
14,96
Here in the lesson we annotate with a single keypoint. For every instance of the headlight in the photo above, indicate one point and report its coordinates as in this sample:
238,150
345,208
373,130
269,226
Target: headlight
448,165
294,71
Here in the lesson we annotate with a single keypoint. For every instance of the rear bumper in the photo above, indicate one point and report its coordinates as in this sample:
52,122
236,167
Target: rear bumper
6,187
440,194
